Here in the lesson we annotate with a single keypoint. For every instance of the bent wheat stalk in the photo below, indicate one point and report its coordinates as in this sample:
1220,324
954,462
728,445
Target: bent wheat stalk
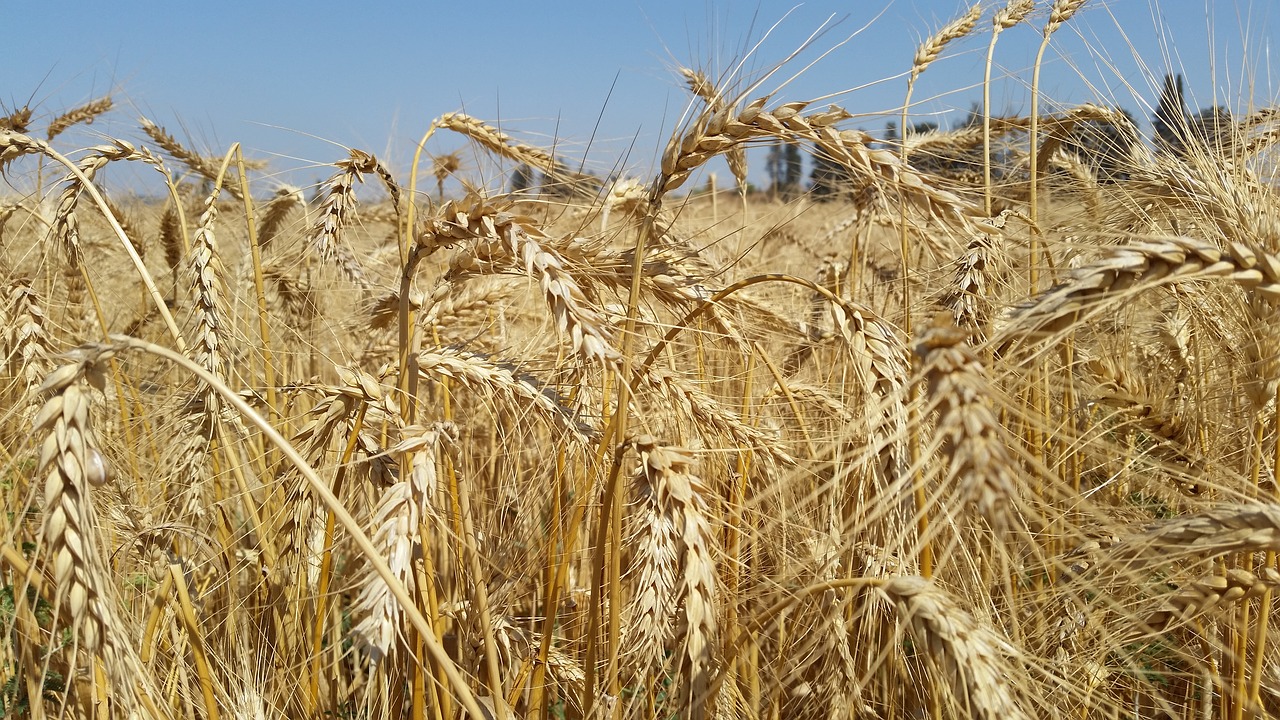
14,145
426,633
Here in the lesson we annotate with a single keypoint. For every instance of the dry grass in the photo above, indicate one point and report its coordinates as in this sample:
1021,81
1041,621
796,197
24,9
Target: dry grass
586,451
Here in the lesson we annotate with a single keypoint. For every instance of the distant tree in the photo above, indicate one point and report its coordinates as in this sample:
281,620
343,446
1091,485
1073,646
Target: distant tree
1177,130
972,119
775,168
785,168
1105,146
1211,126
1171,123
794,171
828,179
521,178
922,127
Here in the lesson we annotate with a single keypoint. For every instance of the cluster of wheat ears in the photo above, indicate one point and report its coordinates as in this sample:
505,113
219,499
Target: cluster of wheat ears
986,445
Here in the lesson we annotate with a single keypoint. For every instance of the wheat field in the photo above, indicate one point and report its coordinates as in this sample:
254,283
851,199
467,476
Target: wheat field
978,423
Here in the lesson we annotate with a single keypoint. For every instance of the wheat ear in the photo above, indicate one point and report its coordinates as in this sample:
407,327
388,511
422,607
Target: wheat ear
72,463
85,114
1141,264
971,656
678,495
396,532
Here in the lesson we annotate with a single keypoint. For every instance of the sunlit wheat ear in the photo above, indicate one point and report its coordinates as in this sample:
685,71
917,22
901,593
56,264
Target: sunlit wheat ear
701,86
282,202
1209,593
1014,12
335,213
202,166
1207,534
1061,12
29,348
65,228
505,381
656,542
206,284
85,114
1138,265
973,660
498,241
980,465
931,49
970,294
709,414
673,494
72,463
18,121
300,524
497,141
396,532
14,145
880,367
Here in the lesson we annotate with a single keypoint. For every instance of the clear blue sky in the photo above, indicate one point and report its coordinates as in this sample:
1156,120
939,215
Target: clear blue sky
372,75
